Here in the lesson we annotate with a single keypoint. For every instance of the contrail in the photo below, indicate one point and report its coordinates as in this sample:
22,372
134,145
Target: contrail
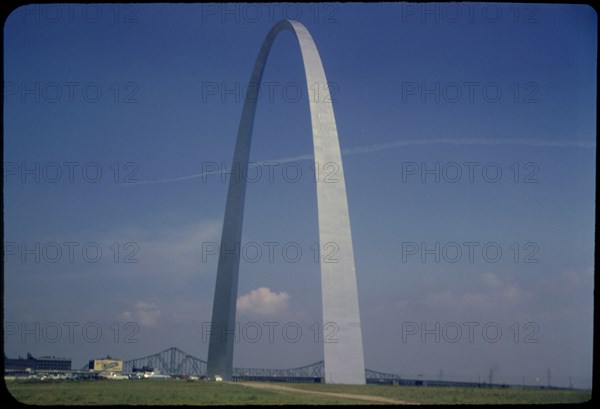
393,145
221,171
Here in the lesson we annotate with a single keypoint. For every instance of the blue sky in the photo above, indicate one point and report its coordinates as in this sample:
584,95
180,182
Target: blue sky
150,96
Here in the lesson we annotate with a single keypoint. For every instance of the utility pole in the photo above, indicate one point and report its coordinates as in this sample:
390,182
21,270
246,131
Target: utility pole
548,377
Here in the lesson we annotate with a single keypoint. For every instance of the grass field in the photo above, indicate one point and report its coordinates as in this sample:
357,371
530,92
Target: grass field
180,392
452,395
154,392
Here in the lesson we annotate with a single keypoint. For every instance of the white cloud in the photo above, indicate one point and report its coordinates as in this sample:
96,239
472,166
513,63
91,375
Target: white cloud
490,291
263,301
174,251
143,314
491,280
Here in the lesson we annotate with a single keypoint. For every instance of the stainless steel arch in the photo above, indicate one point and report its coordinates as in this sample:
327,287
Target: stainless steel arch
343,354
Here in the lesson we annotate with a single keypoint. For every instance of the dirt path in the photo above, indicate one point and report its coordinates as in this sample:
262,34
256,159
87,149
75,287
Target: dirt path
368,398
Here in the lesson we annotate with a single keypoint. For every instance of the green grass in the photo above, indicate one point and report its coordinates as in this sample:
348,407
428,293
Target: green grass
180,392
452,395
154,392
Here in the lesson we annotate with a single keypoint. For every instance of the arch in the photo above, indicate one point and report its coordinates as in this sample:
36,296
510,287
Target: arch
343,360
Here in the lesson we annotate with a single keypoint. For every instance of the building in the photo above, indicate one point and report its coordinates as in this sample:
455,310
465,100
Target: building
106,364
19,364
44,363
51,363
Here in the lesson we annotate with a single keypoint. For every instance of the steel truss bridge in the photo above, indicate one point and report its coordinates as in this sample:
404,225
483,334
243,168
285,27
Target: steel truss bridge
172,361
175,362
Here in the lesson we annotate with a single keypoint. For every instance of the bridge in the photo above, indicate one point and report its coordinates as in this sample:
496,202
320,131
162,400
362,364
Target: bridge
175,362
172,361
